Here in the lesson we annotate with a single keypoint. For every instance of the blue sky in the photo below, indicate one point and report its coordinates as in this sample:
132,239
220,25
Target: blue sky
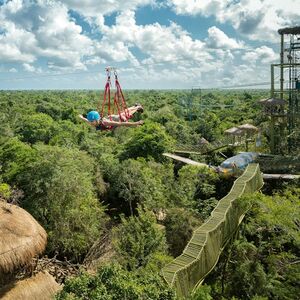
154,44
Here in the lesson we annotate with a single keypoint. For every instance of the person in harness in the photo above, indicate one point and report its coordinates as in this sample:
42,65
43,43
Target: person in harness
94,119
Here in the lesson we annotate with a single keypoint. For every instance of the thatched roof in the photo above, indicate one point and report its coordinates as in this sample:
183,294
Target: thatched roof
21,237
248,127
272,101
233,131
39,287
289,30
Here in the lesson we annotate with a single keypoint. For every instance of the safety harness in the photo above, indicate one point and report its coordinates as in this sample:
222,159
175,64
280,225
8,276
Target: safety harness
119,102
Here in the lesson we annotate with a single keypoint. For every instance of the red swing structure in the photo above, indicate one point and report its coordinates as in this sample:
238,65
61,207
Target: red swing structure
119,103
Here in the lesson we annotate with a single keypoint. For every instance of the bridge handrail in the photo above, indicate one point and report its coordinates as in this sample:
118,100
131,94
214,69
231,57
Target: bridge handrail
203,250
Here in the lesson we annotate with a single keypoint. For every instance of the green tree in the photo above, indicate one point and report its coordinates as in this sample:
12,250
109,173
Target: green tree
195,188
114,283
185,186
208,126
264,262
59,193
14,158
248,278
5,191
138,238
179,224
67,135
37,127
143,182
151,140
202,293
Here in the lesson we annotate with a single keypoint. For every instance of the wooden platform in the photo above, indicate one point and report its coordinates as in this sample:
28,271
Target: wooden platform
185,160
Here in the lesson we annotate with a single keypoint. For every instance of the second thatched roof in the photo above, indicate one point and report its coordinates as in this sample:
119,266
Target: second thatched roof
233,131
39,287
272,101
21,237
248,127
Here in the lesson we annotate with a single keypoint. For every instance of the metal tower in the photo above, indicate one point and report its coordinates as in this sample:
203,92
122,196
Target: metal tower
289,84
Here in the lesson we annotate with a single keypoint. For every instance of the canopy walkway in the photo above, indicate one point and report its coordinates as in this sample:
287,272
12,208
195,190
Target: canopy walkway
202,252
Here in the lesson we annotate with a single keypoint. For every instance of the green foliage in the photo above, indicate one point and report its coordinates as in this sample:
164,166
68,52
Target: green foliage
186,185
114,283
14,157
202,293
249,277
179,225
67,135
207,126
195,187
35,128
5,190
59,193
144,183
205,207
62,183
148,140
247,96
163,115
279,216
264,263
137,239
181,132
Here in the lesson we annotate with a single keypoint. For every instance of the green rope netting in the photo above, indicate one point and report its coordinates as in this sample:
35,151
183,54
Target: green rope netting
203,250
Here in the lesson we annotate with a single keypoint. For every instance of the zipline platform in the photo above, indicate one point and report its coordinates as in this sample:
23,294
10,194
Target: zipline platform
185,160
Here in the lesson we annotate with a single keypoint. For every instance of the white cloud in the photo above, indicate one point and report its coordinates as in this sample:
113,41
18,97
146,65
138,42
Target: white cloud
16,44
42,28
156,55
195,7
157,42
12,70
218,39
256,19
31,68
262,54
28,67
93,8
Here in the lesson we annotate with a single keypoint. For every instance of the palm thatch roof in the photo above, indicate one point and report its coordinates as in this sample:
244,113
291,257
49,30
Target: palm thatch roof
289,30
272,101
233,131
39,287
248,128
21,237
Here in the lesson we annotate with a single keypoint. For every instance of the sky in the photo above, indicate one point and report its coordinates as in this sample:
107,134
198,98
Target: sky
153,44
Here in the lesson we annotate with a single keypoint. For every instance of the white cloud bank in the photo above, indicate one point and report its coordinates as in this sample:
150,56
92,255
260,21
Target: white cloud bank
34,30
94,8
262,54
256,19
219,40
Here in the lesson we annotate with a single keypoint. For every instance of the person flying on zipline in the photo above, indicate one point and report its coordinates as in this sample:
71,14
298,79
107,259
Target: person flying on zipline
108,120
94,119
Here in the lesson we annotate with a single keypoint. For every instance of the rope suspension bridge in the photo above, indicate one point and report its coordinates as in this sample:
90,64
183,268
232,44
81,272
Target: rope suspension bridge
202,252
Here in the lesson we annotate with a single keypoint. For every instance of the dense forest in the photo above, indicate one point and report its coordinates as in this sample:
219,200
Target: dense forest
113,204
